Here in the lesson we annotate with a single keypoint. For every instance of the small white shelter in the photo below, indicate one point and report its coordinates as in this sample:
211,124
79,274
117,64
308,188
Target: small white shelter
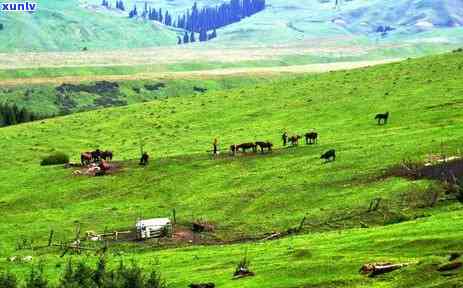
154,228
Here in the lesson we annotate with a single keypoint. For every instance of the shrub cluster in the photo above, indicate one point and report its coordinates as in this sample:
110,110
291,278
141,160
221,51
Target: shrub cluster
55,159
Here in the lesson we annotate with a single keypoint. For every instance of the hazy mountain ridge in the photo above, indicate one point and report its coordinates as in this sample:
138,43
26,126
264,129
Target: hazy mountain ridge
406,16
72,25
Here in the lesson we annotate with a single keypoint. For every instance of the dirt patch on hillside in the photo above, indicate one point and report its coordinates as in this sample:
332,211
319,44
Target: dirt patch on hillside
447,170
90,170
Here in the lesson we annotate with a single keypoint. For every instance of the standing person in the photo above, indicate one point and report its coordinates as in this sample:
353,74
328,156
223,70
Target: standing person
144,159
215,145
284,137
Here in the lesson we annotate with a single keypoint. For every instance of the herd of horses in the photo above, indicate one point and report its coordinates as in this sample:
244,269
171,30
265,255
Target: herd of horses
95,156
310,138
293,141
244,147
101,158
98,156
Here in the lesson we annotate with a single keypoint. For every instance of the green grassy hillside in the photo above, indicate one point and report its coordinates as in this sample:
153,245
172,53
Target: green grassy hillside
246,197
351,23
71,26
49,99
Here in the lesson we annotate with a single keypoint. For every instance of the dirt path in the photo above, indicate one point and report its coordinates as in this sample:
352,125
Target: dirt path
297,69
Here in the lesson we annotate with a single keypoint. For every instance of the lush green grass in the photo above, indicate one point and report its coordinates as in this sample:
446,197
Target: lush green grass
317,260
285,60
251,196
291,57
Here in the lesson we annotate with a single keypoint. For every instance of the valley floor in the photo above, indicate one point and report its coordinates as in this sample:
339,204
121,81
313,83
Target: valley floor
199,74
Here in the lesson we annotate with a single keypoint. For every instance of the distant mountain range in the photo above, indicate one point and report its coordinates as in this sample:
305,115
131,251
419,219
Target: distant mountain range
403,16
70,25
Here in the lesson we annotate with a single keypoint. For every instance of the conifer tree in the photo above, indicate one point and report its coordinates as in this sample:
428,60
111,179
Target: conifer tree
186,38
192,37
203,36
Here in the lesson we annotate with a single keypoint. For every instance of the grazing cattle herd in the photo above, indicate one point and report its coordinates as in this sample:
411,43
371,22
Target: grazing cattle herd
310,138
97,161
95,156
100,158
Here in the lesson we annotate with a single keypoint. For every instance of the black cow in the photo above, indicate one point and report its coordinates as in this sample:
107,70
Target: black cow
311,138
245,146
329,155
96,155
382,118
107,155
263,145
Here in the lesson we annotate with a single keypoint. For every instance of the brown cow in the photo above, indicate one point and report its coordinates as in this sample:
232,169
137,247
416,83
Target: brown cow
294,140
86,158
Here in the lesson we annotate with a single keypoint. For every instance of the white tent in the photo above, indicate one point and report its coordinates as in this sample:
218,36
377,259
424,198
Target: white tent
150,228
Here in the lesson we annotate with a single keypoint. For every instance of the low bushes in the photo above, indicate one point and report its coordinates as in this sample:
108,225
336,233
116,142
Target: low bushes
55,159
